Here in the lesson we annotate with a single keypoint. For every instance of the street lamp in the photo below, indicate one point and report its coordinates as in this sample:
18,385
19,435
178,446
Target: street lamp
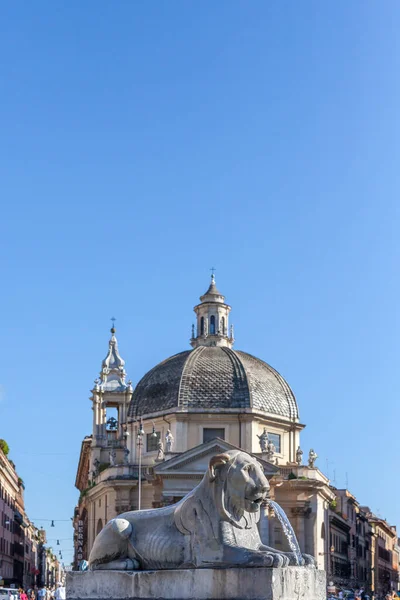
140,445
331,551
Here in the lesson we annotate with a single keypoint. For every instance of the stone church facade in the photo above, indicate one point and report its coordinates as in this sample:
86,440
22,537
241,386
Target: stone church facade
151,444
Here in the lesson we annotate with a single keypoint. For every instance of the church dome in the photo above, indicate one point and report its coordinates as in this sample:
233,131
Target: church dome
213,378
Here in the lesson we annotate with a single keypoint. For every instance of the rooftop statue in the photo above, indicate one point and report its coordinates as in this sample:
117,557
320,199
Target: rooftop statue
112,456
160,449
312,457
215,525
169,441
270,451
96,467
263,440
299,455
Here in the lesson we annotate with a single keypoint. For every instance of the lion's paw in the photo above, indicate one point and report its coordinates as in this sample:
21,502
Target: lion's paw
293,560
285,561
275,560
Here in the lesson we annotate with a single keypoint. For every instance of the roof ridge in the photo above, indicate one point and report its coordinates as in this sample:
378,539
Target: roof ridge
184,383
239,366
287,390
133,412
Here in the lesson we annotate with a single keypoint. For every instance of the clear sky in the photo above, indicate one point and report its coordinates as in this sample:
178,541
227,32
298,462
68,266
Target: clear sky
143,143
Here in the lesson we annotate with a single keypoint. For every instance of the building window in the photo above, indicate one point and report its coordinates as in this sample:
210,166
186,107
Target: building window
202,326
212,325
210,434
223,325
275,438
152,442
99,526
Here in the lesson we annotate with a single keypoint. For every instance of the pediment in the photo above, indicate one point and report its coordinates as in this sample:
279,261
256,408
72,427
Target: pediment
196,460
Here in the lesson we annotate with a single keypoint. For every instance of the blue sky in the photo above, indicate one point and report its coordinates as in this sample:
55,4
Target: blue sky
143,143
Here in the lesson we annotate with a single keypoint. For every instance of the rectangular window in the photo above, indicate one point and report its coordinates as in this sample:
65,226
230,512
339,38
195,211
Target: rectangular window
275,438
211,433
152,442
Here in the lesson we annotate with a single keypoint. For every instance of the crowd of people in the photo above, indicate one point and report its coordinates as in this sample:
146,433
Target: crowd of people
360,594
39,593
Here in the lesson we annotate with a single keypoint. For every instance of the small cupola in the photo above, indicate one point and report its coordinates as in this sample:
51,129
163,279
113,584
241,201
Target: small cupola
212,320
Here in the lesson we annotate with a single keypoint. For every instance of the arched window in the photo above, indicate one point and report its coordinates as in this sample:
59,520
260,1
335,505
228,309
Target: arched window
202,326
212,325
223,325
99,526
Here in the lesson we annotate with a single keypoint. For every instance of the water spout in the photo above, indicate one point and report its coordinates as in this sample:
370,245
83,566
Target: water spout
288,531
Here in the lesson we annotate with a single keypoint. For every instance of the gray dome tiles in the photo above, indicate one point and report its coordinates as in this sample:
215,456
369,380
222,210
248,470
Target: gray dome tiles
213,378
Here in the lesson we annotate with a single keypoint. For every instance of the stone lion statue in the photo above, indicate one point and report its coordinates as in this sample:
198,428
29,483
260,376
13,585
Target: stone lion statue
215,525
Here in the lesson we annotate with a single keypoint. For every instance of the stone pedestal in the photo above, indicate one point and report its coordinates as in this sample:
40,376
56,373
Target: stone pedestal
290,583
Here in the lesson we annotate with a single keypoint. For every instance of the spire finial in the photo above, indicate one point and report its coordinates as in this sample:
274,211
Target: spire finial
113,319
213,269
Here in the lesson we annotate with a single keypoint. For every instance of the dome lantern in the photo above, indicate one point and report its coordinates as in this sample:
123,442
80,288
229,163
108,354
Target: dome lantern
212,320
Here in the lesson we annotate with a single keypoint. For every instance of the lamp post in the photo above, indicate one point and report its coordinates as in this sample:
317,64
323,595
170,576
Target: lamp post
331,551
140,444
140,437
329,561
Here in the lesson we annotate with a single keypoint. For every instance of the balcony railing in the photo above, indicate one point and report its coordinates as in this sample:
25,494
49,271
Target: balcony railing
115,443
125,472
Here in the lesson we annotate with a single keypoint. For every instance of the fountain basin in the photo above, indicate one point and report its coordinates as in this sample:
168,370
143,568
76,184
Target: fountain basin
289,583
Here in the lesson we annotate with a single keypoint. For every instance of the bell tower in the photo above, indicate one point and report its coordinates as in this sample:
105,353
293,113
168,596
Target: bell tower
212,320
110,398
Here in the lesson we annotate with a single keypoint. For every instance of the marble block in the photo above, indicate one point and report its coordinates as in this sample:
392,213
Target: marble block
252,583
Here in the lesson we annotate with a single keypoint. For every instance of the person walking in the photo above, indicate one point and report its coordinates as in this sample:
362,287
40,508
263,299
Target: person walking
23,595
42,593
59,594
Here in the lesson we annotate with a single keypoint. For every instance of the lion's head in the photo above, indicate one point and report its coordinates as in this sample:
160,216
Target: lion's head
240,482
232,490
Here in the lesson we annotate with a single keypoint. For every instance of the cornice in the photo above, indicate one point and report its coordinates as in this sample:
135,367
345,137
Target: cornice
182,414
183,475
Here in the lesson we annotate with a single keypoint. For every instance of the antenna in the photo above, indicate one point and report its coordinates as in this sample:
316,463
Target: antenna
347,481
334,477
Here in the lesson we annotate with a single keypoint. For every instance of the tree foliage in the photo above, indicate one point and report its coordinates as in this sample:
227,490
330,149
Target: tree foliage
4,446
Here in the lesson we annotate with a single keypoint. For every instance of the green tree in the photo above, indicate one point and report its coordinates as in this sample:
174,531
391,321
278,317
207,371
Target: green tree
5,447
